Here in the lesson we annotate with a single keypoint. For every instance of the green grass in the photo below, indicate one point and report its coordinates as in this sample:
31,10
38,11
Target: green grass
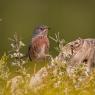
19,76
58,82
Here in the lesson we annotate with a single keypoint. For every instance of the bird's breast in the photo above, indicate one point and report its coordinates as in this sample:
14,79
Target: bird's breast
40,41
40,45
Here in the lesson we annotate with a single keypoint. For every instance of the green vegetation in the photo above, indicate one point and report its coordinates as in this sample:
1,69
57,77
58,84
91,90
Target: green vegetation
18,76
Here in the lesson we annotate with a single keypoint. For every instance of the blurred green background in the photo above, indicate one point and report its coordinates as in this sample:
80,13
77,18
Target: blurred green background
72,18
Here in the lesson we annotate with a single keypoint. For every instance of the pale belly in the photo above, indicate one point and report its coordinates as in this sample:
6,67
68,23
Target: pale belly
41,54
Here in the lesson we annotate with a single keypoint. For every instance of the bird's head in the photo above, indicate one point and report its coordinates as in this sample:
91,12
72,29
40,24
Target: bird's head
41,30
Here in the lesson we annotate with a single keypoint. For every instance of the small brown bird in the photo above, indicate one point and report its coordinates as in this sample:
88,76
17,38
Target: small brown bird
39,46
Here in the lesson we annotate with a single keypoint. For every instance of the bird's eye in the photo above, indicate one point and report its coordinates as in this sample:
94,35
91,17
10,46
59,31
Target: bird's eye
41,29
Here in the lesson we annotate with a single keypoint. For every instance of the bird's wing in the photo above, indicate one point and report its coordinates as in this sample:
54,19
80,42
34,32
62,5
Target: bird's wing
30,52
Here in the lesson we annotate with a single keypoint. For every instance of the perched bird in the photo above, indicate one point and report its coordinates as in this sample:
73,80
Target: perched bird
39,45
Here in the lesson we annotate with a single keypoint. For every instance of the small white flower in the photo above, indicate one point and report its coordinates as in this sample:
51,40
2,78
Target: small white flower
11,56
56,85
21,43
13,63
61,73
15,54
20,54
23,62
12,45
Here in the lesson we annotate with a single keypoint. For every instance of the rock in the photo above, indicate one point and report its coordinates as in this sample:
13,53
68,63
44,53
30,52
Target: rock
37,80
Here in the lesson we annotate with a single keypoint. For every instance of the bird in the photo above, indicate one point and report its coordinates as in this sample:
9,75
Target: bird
39,44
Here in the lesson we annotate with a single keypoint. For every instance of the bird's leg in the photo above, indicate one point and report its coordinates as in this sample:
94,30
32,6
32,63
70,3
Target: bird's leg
35,67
